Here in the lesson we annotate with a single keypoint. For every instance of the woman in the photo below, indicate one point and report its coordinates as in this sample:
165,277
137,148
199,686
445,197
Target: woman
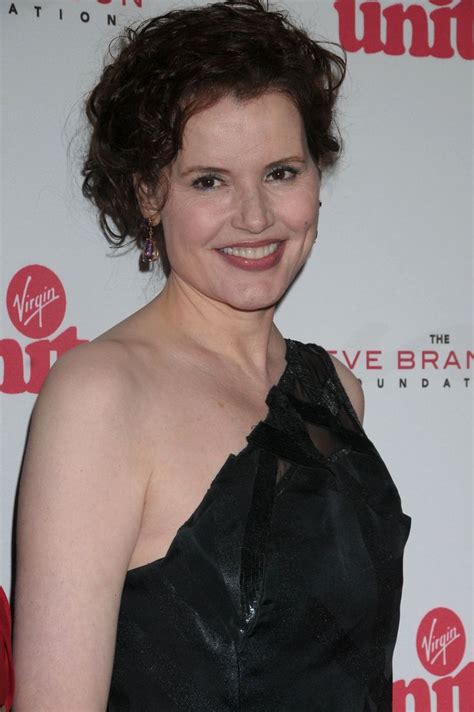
281,590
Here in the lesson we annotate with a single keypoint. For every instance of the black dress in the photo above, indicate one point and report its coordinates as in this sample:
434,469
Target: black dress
281,592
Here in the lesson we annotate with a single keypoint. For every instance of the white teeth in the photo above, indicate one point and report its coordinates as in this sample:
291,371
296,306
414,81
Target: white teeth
251,253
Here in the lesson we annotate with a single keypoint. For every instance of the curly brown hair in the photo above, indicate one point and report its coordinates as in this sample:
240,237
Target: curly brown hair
174,65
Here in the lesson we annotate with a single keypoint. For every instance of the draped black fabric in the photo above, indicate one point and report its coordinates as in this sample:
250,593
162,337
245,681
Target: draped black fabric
281,592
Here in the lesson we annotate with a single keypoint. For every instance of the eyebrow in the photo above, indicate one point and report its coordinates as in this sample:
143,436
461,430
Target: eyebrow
214,169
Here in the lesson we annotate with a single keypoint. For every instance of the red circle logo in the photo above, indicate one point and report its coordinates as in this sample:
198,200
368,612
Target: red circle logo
441,641
36,301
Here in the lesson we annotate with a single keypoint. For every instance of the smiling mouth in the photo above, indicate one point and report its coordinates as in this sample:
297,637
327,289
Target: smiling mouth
251,253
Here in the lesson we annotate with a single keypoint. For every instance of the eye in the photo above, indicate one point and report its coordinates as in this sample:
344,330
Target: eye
205,182
285,169
200,181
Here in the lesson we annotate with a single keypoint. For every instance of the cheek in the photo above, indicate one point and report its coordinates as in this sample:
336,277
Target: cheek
199,217
301,221
300,209
186,228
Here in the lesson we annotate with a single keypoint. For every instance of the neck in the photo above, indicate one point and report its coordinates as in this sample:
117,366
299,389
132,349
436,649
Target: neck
190,320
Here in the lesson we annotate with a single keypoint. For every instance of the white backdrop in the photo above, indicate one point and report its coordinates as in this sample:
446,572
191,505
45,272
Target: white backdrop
390,274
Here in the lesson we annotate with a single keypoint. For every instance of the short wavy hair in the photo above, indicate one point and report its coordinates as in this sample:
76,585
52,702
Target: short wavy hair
178,63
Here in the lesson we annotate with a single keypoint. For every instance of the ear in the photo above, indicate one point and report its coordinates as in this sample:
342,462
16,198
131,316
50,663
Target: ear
147,200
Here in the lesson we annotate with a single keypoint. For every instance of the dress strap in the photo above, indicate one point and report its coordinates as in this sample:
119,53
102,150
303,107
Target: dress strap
341,392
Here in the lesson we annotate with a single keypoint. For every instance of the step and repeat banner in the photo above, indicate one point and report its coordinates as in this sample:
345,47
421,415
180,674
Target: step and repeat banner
387,288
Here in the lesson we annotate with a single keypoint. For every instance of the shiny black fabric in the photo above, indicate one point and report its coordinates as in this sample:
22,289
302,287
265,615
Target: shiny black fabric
281,593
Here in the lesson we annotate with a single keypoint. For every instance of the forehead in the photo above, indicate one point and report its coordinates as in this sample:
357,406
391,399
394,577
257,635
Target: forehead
230,129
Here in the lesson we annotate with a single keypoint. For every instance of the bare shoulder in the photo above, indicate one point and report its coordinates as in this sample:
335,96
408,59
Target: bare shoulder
352,386
81,497
96,389
101,366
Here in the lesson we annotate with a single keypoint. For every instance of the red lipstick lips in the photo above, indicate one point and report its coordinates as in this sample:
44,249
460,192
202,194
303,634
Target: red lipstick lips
255,265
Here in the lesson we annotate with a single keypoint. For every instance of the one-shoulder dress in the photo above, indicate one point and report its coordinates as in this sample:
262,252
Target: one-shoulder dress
282,591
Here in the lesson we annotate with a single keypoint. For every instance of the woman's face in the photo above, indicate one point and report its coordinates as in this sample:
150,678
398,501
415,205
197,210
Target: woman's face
244,176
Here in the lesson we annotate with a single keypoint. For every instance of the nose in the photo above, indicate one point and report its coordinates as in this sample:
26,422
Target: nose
253,211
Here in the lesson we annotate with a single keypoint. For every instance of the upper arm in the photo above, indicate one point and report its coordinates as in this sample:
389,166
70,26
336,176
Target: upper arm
80,503
352,386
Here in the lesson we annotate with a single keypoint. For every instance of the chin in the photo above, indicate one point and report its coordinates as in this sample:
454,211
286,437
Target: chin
252,302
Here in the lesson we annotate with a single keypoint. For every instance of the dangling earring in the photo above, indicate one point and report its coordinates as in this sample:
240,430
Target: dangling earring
320,203
150,251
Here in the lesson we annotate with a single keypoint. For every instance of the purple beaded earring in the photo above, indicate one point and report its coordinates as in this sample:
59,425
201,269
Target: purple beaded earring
150,250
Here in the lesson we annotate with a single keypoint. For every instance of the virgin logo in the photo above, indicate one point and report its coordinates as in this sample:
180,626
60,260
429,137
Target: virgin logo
441,641
30,308
366,26
36,305
36,301
440,644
